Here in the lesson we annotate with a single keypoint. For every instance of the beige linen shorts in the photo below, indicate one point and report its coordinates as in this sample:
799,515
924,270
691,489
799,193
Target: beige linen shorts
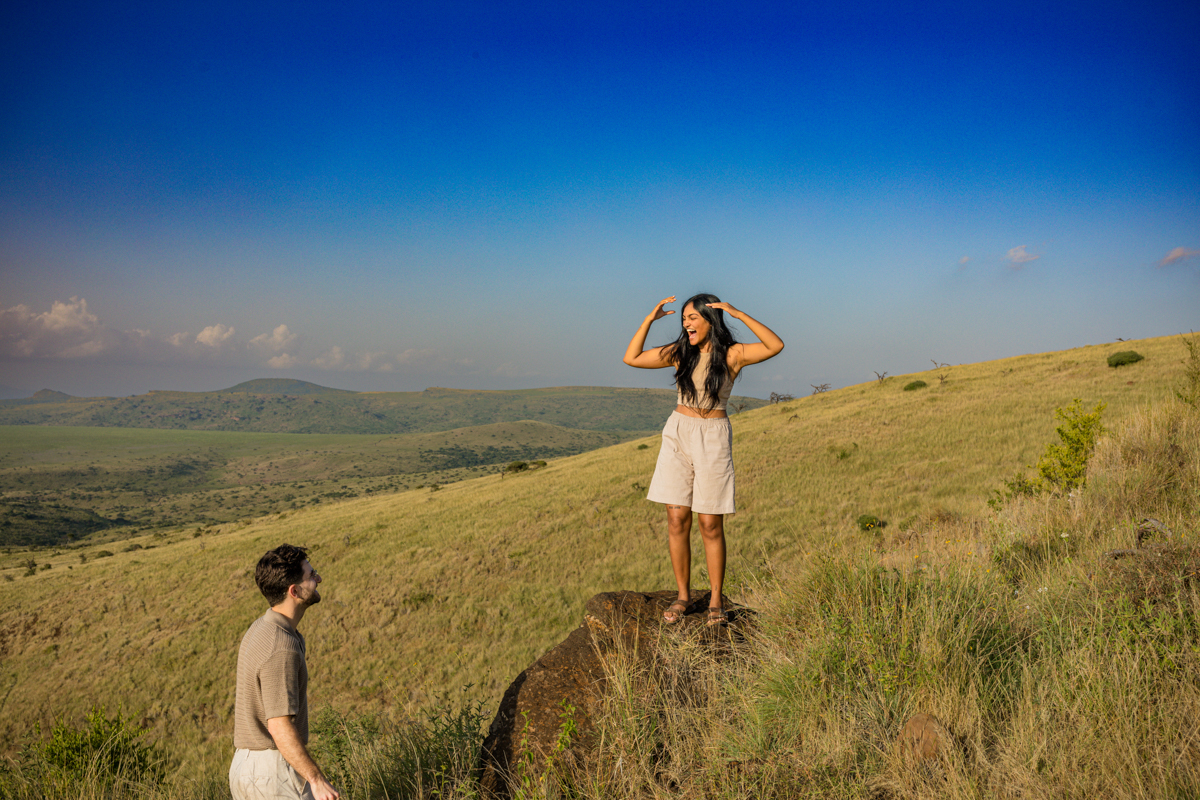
265,775
695,465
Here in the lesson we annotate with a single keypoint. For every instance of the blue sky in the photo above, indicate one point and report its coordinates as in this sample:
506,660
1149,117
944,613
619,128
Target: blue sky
396,196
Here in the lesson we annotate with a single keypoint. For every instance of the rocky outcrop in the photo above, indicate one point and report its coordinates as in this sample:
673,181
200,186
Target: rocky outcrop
564,689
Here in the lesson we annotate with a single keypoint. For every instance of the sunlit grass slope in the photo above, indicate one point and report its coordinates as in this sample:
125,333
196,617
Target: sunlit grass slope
427,592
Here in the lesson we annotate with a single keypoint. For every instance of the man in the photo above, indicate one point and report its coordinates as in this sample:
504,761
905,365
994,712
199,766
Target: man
270,728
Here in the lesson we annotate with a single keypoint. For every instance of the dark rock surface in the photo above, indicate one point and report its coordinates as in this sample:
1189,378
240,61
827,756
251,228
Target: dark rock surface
531,715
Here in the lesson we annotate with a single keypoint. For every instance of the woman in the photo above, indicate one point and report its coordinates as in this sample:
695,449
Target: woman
695,464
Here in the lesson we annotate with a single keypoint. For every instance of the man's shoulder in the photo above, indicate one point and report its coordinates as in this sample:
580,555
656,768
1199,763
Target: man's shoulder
267,635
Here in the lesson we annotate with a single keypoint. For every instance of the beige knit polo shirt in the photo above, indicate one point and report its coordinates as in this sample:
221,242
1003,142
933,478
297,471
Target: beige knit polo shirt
272,681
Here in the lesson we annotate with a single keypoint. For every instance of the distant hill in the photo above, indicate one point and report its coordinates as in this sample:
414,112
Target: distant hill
50,395
283,406
282,386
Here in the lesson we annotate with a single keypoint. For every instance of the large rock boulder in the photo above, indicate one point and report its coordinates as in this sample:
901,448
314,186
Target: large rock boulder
564,689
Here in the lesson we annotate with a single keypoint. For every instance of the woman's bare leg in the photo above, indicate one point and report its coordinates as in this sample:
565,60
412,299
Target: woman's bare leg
679,532
712,528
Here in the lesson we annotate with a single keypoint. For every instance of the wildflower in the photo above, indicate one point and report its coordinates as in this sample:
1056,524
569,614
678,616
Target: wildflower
1063,535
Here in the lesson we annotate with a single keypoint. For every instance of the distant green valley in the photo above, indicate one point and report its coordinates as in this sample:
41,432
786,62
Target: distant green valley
107,468
286,406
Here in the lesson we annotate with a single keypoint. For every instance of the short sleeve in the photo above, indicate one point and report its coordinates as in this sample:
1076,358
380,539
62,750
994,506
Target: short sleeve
281,682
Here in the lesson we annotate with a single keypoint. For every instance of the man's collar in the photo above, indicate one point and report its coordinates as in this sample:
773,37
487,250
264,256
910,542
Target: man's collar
276,618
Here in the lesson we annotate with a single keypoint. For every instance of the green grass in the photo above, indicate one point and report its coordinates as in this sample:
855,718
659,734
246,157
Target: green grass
428,592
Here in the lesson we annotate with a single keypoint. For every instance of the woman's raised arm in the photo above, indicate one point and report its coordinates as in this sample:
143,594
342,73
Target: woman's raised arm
635,355
767,346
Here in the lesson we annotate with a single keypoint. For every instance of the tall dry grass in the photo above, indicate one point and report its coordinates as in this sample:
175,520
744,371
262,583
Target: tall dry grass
1061,671
426,591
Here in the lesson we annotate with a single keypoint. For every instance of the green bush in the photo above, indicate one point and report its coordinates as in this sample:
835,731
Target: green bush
915,385
517,466
1124,357
870,522
1062,468
103,751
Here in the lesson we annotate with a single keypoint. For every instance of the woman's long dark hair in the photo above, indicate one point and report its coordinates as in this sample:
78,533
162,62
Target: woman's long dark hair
685,355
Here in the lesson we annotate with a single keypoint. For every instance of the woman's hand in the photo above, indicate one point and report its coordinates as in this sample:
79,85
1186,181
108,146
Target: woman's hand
728,309
635,356
658,312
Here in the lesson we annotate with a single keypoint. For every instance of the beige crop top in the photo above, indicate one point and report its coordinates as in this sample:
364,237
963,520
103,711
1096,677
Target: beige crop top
699,376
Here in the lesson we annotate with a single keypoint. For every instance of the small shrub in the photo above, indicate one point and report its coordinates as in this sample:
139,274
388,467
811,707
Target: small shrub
780,398
517,466
870,522
915,385
1062,468
104,750
643,446
103,554
819,388
131,548
842,453
1017,486
1124,357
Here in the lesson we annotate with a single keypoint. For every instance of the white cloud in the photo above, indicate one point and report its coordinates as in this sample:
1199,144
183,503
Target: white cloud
1018,257
67,330
283,361
334,359
416,357
215,335
276,341
70,331
1178,254
70,316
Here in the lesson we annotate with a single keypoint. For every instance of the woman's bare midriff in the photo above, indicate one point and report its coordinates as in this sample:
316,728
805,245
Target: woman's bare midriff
688,411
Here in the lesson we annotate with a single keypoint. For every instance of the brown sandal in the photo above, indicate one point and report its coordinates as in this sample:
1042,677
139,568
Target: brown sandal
716,617
675,612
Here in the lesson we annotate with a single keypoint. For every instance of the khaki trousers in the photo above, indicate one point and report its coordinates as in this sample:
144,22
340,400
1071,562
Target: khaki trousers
265,775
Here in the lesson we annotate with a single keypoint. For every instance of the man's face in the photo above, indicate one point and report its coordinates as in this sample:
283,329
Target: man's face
306,589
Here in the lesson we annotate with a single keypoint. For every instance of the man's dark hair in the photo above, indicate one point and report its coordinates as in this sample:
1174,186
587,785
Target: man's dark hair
278,569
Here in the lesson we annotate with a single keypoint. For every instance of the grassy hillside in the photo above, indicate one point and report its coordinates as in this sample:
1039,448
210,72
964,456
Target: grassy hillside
455,591
267,406
61,484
